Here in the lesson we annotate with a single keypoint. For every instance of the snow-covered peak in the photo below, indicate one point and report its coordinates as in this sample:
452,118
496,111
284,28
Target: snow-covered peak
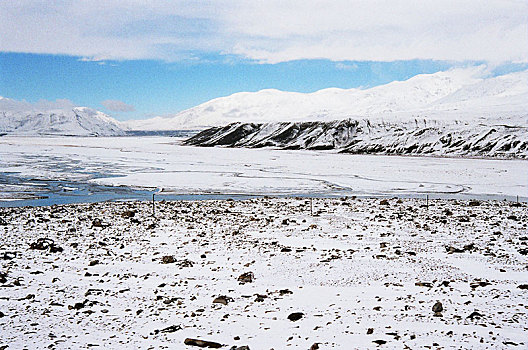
57,118
454,94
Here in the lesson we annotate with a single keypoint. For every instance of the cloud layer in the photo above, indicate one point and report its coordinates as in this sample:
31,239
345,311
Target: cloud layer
117,106
11,105
270,31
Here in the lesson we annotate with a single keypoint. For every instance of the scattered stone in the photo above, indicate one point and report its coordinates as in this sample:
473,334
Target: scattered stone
9,255
296,316
479,284
170,300
168,259
467,248
94,262
510,343
423,284
45,244
475,314
27,297
128,214
380,341
315,346
99,223
246,277
222,299
170,329
202,343
384,202
195,237
437,309
244,347
260,297
55,249
185,263
77,306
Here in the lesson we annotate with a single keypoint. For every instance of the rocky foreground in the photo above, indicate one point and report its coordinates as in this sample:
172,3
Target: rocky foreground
265,274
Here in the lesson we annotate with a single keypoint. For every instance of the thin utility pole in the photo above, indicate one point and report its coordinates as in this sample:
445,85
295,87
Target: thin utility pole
153,206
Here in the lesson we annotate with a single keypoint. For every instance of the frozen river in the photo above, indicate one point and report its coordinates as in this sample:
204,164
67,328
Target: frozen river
73,169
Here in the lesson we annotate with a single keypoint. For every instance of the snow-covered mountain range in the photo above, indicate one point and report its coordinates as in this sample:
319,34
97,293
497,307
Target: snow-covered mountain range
19,118
458,94
461,95
420,137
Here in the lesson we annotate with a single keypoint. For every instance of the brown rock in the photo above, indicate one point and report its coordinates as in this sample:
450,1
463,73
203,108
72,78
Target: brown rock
168,259
202,343
295,316
222,299
246,277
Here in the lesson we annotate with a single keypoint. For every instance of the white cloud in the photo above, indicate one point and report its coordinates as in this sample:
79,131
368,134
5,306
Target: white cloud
11,105
270,31
117,106
346,66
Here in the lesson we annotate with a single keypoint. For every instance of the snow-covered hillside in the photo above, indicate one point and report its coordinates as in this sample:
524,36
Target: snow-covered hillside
366,137
77,121
458,94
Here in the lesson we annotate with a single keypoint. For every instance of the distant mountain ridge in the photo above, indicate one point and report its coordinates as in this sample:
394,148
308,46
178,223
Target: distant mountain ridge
74,121
458,94
419,137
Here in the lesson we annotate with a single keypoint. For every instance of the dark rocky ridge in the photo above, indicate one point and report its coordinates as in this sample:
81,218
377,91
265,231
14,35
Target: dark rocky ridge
366,137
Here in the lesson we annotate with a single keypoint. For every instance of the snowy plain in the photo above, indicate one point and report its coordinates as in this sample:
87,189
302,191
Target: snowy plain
364,272
163,164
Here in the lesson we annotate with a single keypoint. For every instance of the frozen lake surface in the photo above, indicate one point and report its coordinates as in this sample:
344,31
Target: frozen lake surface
79,169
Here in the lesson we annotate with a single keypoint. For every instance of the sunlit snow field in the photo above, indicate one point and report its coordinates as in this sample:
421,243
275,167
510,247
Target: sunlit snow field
162,164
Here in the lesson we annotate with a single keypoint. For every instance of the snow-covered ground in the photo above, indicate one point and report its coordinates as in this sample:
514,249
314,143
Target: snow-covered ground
360,272
161,162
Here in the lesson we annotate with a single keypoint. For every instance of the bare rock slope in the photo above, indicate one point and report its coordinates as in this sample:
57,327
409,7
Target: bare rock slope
366,137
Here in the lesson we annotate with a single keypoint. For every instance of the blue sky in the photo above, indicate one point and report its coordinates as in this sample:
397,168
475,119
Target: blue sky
136,59
159,88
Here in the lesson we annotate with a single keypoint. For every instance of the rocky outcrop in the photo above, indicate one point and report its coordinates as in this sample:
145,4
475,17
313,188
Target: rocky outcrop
365,137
